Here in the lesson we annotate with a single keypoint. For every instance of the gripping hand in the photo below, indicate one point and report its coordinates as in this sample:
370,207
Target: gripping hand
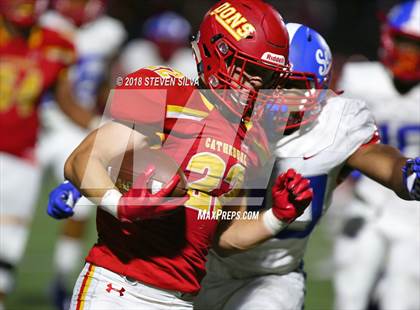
62,200
291,196
140,204
411,175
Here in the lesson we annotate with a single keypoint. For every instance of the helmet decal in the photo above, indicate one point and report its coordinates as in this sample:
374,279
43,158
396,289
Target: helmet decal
233,21
273,58
324,59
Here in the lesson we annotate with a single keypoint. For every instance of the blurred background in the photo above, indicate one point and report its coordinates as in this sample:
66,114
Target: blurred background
350,27
352,30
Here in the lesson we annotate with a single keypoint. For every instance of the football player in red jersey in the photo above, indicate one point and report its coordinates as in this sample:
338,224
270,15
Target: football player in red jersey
151,251
31,61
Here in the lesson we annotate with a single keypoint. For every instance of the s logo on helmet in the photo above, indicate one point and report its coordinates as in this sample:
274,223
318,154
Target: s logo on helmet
233,21
323,58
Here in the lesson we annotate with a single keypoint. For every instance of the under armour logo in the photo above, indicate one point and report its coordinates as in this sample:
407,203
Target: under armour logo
110,288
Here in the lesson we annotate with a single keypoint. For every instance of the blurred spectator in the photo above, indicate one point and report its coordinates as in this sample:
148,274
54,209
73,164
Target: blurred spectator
164,41
33,60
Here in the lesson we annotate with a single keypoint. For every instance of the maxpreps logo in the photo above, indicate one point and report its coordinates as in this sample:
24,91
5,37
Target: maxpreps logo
233,21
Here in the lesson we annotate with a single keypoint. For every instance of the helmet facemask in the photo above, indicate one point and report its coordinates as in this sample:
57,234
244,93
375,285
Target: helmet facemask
298,103
400,43
401,54
243,83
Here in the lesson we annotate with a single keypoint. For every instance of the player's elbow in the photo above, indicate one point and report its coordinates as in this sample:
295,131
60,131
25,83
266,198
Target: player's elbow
224,251
226,246
73,168
69,171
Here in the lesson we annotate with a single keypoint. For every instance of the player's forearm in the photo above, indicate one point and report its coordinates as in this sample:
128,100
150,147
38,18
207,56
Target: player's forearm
69,105
383,164
89,174
86,167
398,184
242,235
78,114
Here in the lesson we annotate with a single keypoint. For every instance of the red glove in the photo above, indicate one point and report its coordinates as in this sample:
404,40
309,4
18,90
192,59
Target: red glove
291,196
140,204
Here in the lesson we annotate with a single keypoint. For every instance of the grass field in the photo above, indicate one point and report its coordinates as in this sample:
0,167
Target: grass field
35,272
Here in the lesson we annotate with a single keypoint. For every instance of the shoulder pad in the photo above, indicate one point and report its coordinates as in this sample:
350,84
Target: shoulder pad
155,93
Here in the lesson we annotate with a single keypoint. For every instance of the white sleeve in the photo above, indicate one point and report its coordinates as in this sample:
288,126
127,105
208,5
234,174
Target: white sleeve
102,36
55,21
358,126
138,54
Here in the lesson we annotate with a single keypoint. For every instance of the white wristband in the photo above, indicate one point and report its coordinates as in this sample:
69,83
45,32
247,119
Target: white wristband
273,224
410,181
109,202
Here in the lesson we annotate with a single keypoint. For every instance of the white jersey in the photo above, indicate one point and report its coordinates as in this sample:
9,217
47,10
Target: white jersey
96,43
141,53
318,154
398,119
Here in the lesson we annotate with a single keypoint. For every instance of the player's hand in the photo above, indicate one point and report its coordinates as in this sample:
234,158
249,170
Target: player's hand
140,204
411,174
291,196
62,200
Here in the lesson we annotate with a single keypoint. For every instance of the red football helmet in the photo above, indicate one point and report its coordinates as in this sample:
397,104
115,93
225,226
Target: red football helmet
22,13
242,45
400,41
80,11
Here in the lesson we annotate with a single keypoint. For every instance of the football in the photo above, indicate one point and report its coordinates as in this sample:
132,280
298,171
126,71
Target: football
124,173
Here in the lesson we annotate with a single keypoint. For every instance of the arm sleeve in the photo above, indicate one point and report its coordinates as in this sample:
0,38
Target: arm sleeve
360,127
56,48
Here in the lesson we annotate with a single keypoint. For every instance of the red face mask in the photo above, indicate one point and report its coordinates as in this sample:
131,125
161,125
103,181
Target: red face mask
401,54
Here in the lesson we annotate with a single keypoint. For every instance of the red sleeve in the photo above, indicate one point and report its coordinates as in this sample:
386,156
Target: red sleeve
55,47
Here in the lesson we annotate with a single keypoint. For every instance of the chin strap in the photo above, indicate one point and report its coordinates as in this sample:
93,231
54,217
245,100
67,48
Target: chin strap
197,55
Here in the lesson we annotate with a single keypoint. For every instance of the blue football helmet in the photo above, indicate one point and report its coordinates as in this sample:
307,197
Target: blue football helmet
300,98
309,55
169,31
400,41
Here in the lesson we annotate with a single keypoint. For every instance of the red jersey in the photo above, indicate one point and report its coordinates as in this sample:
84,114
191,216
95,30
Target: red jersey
27,69
170,252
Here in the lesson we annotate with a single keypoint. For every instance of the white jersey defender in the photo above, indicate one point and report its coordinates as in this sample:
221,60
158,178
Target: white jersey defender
319,154
390,237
